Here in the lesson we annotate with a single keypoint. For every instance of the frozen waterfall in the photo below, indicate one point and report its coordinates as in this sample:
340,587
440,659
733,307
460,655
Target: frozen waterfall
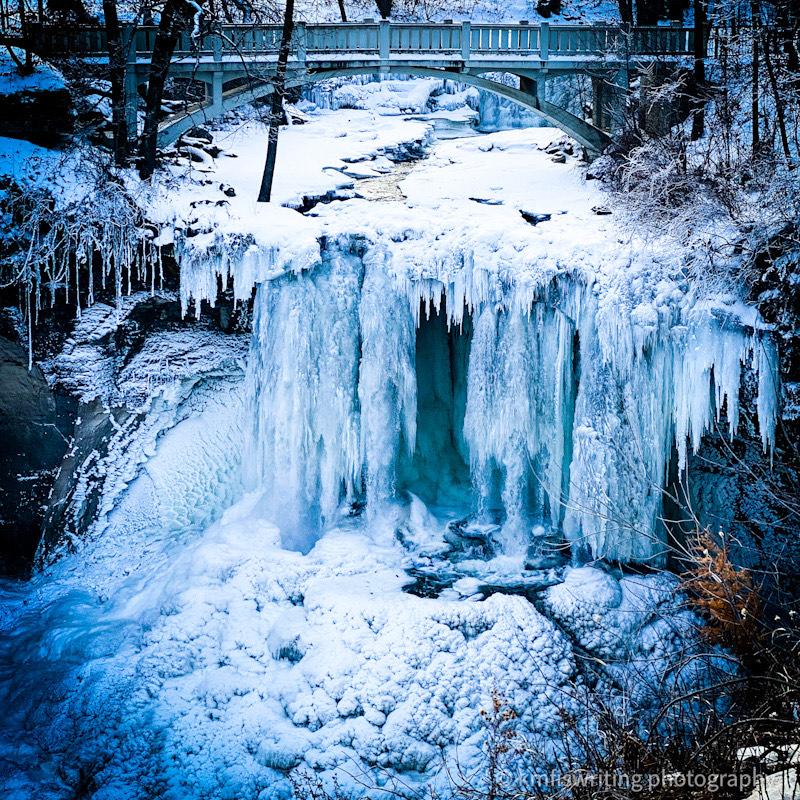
537,410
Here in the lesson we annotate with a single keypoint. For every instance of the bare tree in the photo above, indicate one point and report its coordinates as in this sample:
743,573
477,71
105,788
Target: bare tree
626,11
276,103
167,38
698,121
117,57
755,15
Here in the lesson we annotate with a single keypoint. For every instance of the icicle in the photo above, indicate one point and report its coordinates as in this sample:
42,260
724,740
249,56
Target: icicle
387,387
765,358
302,379
574,401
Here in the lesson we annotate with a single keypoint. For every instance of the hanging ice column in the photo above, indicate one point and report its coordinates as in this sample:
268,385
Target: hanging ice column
303,378
519,416
621,438
387,387
651,384
332,387
567,411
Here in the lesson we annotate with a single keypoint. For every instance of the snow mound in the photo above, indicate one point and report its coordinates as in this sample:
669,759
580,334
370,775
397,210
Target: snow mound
388,97
606,615
250,660
44,78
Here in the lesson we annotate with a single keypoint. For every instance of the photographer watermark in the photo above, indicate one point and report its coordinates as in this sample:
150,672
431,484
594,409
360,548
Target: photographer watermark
711,782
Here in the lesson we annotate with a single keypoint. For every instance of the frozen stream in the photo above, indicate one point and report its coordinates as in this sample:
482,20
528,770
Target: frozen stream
387,187
315,546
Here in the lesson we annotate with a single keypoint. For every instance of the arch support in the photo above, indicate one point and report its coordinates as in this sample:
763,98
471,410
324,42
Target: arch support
591,137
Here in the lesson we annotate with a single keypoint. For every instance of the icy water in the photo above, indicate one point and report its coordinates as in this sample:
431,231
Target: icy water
387,187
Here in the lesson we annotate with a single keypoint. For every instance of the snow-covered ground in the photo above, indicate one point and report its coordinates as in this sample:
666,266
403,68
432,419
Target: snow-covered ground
44,78
236,617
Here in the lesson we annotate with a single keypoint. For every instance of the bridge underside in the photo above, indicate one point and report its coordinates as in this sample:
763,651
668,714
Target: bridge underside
607,95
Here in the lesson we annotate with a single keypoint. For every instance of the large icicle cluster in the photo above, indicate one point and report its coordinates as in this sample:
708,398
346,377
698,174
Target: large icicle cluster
573,409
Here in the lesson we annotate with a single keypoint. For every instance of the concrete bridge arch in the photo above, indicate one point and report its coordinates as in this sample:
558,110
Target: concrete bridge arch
463,52
592,137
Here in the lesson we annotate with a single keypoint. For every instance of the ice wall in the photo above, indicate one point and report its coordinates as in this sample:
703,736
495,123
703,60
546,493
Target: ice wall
571,407
497,113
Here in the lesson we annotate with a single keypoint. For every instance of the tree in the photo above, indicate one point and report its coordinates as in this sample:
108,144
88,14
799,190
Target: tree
626,12
117,58
755,14
384,8
698,120
276,103
169,28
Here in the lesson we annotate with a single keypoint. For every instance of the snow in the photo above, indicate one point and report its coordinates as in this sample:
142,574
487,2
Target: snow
263,242
386,97
657,361
249,658
208,659
480,11
44,78
780,785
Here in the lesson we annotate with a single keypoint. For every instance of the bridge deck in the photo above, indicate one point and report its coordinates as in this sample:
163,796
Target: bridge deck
464,52
386,39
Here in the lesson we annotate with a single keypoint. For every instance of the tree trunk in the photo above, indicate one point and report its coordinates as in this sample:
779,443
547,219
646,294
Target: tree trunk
754,13
699,118
276,104
384,8
117,61
779,101
163,48
342,11
27,68
788,30
626,12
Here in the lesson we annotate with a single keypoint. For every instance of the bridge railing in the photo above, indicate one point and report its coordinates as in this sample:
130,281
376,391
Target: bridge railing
387,39
338,37
662,41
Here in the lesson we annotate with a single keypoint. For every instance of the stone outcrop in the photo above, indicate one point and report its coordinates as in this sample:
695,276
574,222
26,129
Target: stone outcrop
32,444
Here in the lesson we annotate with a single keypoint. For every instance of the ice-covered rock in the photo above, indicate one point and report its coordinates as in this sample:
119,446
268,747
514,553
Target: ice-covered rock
574,405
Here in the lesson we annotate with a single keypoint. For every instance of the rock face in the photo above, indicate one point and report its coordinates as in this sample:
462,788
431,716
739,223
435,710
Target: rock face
735,487
32,444
75,491
41,117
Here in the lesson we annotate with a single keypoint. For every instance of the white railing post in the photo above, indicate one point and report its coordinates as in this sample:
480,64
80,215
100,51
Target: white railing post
216,46
544,41
466,36
383,39
300,38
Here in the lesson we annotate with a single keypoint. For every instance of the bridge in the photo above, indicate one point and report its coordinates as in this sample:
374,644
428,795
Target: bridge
236,62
